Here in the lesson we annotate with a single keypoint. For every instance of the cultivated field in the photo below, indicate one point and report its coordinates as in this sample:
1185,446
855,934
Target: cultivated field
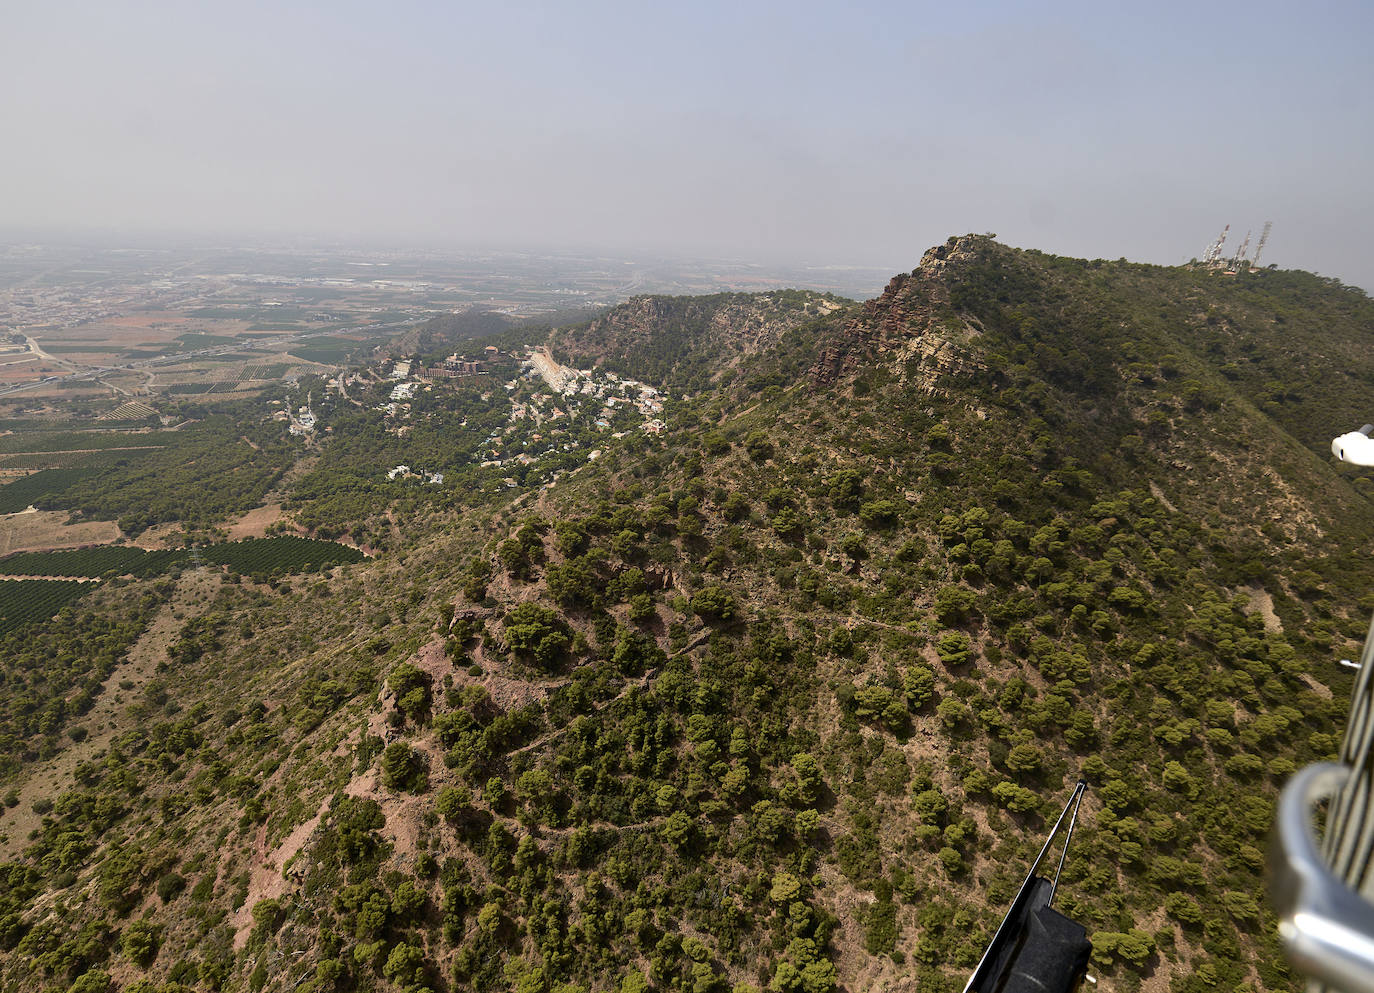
152,328
27,371
38,530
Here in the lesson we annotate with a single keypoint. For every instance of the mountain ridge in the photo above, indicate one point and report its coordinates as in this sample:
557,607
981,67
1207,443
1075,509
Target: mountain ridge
691,335
781,696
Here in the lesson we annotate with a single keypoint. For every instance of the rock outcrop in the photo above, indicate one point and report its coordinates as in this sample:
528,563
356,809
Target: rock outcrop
912,327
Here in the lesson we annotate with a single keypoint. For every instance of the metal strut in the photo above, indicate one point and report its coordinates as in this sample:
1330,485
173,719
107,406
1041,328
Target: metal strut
1076,799
999,963
1323,890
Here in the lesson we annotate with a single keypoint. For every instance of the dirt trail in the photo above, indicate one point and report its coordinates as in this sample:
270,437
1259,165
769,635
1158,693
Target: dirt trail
642,683
21,577
267,881
107,718
1158,494
1260,602
90,451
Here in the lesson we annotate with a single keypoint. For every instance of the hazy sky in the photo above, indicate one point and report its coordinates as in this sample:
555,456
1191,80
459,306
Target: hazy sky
856,133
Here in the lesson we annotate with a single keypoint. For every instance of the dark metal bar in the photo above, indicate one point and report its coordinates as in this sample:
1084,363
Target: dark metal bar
1012,920
1076,799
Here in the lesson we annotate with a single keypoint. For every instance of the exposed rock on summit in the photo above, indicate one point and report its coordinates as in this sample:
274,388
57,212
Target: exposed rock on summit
912,327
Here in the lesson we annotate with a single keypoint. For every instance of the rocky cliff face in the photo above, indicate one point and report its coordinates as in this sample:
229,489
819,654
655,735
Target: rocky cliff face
665,339
912,327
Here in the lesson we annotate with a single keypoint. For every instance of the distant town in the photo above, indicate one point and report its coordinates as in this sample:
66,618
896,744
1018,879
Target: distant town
100,323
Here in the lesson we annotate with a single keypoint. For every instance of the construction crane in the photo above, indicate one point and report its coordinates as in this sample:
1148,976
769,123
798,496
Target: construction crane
1213,255
1264,236
1239,258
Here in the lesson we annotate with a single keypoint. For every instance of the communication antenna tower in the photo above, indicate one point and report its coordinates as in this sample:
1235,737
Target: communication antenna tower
1213,255
1264,236
1240,256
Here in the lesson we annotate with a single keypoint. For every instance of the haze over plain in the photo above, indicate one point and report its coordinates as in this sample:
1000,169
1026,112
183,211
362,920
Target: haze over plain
787,132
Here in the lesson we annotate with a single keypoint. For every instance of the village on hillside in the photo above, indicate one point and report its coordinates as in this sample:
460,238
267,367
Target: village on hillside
550,409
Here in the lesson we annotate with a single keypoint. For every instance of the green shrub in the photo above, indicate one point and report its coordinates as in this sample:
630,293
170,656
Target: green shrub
539,633
714,603
140,943
169,885
412,689
404,768
954,648
953,604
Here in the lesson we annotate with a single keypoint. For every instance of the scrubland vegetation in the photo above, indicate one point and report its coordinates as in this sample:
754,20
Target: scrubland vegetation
780,699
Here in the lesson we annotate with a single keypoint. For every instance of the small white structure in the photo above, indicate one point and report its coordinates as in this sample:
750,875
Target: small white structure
1355,447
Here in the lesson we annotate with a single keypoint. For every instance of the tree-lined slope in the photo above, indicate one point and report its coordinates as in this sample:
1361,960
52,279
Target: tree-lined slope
781,697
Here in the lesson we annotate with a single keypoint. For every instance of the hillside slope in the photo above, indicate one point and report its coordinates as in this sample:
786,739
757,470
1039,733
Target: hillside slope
782,697
691,342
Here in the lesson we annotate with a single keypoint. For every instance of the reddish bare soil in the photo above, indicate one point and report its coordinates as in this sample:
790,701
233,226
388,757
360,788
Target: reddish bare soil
46,530
268,880
160,536
254,523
